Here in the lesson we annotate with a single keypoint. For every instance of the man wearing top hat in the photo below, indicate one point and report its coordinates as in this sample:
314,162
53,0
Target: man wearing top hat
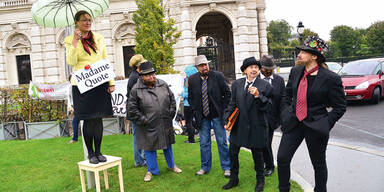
208,96
308,93
152,106
273,115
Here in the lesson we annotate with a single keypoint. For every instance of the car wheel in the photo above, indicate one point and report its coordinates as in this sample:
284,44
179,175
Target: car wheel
376,96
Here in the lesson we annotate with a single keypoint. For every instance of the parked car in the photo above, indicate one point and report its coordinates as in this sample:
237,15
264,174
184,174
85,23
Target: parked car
364,79
333,66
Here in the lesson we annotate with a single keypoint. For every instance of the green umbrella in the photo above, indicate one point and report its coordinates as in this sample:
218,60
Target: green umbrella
60,13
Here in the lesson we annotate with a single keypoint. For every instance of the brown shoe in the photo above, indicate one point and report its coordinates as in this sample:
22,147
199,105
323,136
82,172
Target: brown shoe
175,169
148,177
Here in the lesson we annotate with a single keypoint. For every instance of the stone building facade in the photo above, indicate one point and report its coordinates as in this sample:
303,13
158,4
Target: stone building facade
227,31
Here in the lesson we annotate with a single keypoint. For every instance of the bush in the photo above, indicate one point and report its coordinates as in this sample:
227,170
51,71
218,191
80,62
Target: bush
17,105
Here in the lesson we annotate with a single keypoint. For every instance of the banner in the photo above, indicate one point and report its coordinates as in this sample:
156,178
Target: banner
93,75
48,91
119,96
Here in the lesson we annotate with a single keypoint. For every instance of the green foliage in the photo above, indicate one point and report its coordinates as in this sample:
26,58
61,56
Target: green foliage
307,33
278,32
375,37
51,165
17,105
346,40
155,35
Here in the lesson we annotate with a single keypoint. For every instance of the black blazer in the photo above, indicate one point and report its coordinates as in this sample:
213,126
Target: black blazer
250,129
326,91
273,115
218,93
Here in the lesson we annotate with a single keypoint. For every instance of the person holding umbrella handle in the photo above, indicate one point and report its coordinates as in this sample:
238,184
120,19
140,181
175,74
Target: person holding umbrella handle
84,48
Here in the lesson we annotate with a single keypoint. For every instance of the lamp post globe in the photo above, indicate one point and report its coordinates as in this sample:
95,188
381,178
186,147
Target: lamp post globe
300,31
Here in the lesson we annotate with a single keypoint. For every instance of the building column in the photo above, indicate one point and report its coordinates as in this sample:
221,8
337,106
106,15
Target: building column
37,65
263,41
240,37
186,50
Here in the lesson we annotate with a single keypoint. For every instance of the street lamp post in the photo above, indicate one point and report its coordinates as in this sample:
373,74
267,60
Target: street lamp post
300,31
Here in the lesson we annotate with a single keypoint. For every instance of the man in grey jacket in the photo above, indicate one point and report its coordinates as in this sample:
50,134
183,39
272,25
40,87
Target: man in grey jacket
152,106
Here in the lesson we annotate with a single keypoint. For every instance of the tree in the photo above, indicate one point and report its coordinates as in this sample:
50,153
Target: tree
307,33
278,32
375,37
346,40
155,35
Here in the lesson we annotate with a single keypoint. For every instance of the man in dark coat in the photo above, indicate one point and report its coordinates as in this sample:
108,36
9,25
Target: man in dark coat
135,62
251,95
152,106
273,116
309,91
208,96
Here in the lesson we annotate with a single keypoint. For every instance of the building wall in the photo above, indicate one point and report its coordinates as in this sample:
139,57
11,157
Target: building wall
19,35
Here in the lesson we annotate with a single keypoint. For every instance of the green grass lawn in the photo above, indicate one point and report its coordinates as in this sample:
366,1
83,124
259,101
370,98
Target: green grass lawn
51,165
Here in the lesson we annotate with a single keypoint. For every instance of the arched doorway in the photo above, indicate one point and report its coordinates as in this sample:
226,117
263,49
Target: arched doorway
214,39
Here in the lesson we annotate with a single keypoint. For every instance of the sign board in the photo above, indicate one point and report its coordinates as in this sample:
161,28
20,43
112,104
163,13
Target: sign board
93,75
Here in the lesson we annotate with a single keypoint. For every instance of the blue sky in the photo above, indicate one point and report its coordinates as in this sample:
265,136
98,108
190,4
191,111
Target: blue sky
322,15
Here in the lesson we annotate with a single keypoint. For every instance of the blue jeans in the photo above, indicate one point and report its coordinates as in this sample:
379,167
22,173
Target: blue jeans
152,160
205,143
138,153
75,126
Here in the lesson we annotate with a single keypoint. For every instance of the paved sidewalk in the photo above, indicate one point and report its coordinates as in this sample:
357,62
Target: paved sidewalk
350,168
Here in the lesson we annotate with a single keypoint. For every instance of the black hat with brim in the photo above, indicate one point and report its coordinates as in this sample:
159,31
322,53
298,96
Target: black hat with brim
267,62
248,62
315,46
146,68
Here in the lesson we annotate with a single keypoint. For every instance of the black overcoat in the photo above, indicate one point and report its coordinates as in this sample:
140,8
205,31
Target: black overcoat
250,129
327,91
277,94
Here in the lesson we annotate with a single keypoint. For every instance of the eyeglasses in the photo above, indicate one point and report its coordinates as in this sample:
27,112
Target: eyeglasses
86,20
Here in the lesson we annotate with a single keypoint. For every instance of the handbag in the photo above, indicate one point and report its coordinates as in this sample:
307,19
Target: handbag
232,119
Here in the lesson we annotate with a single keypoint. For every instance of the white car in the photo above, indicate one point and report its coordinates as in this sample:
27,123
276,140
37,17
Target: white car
333,66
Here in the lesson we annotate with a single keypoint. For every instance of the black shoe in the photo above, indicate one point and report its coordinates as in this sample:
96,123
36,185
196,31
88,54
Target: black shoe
187,141
268,172
93,159
231,183
101,158
259,186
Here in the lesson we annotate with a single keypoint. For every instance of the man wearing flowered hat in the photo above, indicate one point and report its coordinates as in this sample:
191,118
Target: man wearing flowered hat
310,89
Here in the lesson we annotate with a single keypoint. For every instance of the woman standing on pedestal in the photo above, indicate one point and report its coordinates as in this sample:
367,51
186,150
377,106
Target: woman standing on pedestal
84,48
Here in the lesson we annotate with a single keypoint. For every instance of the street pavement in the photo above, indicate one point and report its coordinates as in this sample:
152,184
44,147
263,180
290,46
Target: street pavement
350,168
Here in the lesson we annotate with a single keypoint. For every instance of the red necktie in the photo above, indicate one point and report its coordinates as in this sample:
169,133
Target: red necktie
301,101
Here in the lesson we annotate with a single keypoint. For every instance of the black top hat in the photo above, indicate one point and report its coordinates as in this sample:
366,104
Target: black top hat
267,62
146,68
314,45
249,61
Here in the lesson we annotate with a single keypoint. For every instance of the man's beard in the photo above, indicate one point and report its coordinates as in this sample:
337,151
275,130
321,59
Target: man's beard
302,63
266,73
150,83
204,74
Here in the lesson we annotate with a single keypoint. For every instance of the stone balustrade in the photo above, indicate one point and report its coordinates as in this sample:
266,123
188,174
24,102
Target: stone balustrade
11,3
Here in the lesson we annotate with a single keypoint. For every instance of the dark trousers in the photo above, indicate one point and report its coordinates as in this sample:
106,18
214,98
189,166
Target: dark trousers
257,155
93,133
267,151
188,115
316,144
